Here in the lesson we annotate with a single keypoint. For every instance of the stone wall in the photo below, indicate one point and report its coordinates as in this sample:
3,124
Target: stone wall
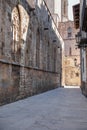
30,50
72,71
15,84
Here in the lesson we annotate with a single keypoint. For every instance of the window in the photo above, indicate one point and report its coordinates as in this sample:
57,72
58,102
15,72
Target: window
83,64
64,7
77,74
55,59
37,48
16,29
48,18
70,51
69,32
2,48
48,56
16,52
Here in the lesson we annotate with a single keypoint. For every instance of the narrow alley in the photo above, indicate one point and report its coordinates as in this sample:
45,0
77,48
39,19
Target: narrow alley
59,109
43,64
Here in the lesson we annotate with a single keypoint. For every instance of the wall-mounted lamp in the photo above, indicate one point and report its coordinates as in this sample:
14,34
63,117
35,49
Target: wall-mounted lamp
78,37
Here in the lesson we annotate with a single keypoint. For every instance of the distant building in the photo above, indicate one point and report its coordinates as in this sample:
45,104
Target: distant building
71,52
71,64
59,9
80,21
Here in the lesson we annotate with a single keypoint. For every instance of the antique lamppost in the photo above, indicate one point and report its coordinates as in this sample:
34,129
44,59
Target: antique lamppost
78,37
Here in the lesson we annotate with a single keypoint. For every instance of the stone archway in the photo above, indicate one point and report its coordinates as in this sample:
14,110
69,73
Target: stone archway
16,28
20,23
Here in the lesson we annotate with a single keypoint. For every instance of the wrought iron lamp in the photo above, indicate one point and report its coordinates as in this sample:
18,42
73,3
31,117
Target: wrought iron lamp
78,37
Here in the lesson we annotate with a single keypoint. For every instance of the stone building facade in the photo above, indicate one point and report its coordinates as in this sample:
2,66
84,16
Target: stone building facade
71,52
71,56
30,50
80,21
59,10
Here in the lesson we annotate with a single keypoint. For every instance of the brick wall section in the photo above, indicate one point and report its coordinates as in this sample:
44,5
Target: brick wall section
25,69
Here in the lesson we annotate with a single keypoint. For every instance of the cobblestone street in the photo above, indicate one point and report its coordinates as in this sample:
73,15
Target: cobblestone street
59,109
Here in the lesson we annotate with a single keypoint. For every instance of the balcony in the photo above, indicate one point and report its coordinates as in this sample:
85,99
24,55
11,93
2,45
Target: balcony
84,16
76,14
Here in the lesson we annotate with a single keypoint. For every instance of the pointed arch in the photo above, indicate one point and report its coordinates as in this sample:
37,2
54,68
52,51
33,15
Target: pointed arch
20,24
16,29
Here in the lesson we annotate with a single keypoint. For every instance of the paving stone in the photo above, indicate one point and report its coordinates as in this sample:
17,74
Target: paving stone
59,109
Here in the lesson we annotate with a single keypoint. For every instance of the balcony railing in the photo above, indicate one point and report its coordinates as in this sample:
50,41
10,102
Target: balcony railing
76,13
